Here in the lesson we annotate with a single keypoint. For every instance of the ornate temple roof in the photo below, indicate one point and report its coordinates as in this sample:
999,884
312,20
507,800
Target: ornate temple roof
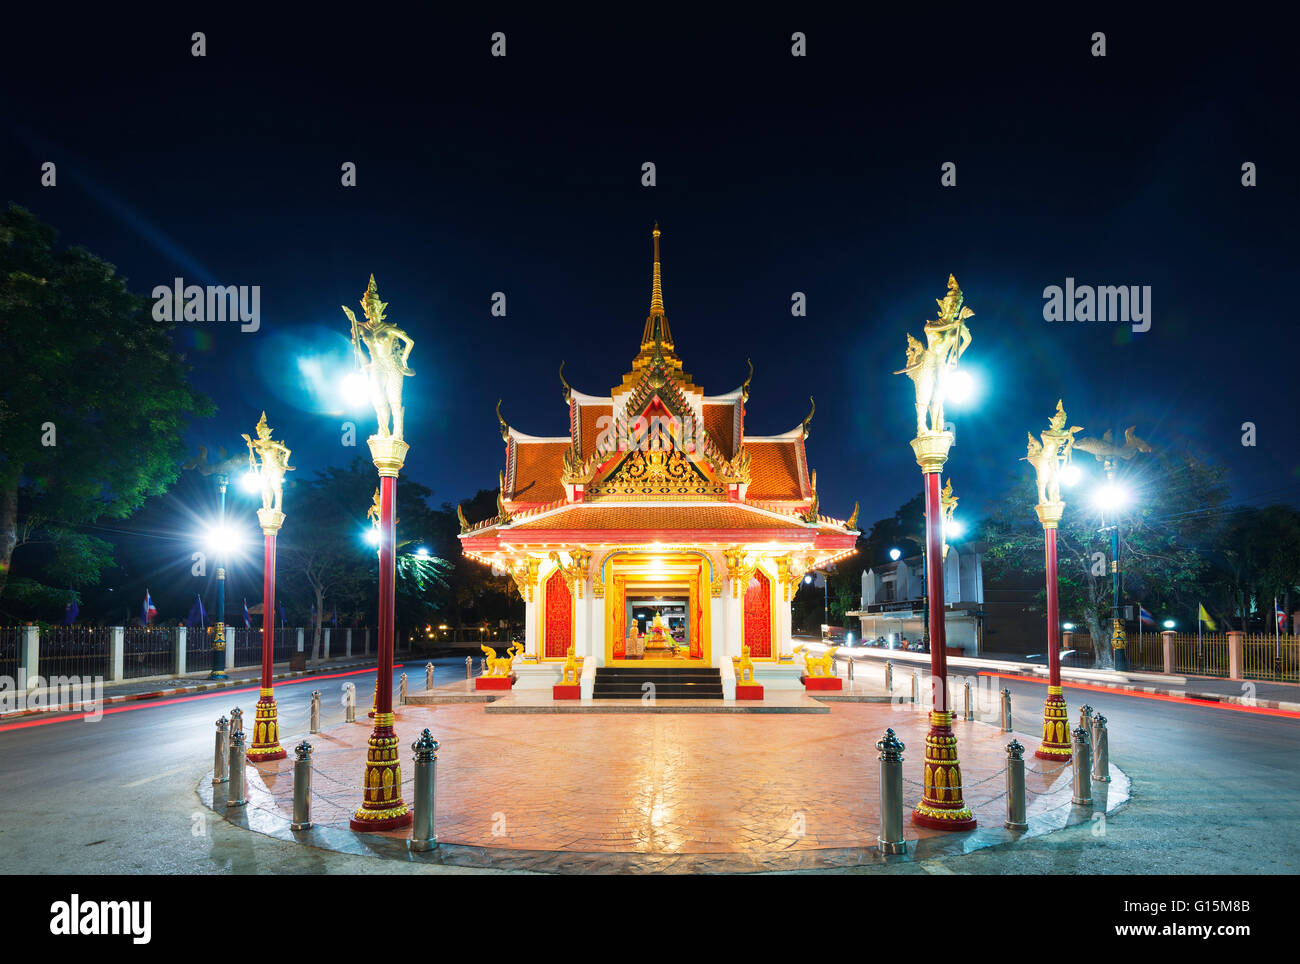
657,459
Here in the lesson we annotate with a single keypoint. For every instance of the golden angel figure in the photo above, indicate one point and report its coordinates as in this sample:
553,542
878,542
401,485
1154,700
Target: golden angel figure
389,349
275,462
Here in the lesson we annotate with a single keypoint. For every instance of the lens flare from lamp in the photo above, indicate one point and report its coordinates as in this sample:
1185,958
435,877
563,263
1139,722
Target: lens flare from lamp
224,539
250,481
895,554
961,388
1169,624
955,529
372,536
1070,475
355,390
1111,497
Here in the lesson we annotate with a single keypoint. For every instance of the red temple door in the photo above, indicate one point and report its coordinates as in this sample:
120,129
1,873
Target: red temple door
757,624
559,616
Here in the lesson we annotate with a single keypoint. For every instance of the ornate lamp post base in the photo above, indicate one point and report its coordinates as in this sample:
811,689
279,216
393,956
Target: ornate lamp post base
941,806
266,731
1056,728
382,808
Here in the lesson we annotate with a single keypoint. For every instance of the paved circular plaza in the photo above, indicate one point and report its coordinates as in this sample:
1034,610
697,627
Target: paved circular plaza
660,791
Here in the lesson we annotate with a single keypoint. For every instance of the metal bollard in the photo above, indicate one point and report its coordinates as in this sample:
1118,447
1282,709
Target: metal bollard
350,702
221,756
423,836
970,708
916,686
469,667
1016,787
1006,710
302,787
1085,717
850,662
236,720
315,711
1082,768
889,676
401,691
235,788
1100,750
428,676
891,839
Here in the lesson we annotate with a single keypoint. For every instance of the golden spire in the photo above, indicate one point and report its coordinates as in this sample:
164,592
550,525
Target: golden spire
656,323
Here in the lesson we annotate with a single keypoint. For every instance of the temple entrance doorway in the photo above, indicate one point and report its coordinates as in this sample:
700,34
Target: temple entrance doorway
657,610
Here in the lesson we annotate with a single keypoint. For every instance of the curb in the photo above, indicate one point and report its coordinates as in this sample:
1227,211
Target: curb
1284,705
181,690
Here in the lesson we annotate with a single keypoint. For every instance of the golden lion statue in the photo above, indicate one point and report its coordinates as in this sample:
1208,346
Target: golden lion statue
823,665
571,665
744,666
500,666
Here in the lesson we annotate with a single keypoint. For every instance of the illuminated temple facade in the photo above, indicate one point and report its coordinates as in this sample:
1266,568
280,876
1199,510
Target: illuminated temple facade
655,530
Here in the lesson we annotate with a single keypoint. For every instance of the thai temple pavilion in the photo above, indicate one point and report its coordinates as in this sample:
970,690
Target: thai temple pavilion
655,530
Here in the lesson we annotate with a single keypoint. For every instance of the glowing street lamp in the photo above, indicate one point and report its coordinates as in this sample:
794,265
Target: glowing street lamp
932,367
895,554
390,349
1048,459
1169,624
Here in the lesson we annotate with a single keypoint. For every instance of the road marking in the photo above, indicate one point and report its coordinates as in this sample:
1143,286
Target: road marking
156,776
151,704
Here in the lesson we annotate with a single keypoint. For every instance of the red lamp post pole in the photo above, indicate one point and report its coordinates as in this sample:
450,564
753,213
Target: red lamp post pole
266,727
942,806
1056,725
382,807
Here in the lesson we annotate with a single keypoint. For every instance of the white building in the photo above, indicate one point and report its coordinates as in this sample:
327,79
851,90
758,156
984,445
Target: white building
893,600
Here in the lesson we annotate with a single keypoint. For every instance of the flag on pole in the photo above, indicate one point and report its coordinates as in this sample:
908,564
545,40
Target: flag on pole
149,610
198,617
248,623
70,611
1279,616
283,621
334,620
1144,616
1204,617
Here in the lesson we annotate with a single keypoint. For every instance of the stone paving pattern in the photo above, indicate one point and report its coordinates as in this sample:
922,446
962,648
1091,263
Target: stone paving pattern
659,784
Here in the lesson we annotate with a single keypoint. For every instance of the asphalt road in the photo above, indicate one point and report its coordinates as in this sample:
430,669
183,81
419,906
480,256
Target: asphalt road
1215,791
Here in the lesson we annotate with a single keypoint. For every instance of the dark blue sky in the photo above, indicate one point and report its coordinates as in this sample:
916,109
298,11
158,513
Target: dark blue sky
775,174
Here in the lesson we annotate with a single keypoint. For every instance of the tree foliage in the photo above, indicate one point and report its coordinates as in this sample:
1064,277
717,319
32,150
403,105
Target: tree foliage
92,406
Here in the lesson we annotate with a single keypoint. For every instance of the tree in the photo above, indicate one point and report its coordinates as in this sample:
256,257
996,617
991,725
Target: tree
1165,534
326,553
92,406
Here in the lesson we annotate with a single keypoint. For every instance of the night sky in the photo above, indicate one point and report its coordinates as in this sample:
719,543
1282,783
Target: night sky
776,174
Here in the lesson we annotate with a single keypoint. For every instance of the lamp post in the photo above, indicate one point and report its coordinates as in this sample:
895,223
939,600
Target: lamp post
1048,458
219,635
390,348
930,366
274,463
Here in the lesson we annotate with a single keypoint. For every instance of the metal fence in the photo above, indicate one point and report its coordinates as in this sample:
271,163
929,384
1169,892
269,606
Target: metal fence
198,647
84,651
1146,652
149,651
1205,655
10,650
1270,657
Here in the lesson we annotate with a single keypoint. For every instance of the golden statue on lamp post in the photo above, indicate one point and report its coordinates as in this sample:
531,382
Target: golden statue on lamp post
1048,457
930,367
389,349
275,462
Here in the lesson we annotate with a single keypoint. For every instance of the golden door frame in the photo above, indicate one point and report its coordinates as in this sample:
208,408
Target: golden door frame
632,572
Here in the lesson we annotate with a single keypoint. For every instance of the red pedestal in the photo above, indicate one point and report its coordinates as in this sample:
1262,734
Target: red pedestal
565,691
751,691
495,682
819,683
